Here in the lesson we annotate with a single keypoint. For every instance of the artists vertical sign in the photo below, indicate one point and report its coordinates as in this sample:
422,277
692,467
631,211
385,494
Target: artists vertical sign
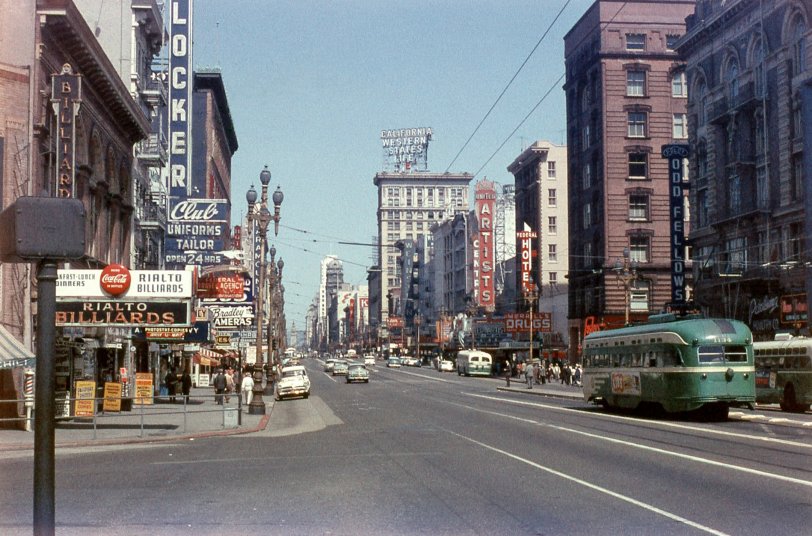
676,188
485,203
66,98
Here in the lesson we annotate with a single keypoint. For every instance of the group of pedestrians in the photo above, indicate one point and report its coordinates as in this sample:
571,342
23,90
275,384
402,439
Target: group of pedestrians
541,373
225,383
171,381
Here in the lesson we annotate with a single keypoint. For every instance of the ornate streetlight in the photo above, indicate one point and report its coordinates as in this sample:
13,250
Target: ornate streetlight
531,296
261,217
626,273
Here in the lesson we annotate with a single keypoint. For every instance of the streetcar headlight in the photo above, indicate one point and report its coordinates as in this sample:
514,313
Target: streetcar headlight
704,375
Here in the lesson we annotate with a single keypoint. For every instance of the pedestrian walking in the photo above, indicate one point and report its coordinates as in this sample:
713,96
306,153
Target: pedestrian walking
171,382
528,375
247,389
578,373
229,384
186,384
219,387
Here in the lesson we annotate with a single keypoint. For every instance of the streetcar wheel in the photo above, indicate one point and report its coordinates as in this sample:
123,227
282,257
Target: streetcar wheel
716,412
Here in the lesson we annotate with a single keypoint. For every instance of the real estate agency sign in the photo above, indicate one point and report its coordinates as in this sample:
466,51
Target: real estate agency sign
117,296
484,204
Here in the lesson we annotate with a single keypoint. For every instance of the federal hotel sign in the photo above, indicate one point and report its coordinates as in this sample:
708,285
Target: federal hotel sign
117,296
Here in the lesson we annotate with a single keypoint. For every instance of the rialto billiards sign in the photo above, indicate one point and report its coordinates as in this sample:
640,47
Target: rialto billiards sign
116,296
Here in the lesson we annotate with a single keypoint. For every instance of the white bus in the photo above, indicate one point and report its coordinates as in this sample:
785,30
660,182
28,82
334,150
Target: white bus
474,363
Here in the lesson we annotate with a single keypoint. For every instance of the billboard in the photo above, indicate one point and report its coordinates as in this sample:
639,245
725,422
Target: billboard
406,149
118,281
101,313
180,98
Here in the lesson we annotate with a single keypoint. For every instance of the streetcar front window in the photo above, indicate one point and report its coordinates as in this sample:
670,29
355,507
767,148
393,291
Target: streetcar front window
711,354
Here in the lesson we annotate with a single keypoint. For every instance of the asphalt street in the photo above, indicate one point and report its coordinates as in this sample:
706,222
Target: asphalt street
416,451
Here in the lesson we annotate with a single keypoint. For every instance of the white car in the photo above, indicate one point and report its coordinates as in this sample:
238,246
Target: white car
369,359
293,382
446,366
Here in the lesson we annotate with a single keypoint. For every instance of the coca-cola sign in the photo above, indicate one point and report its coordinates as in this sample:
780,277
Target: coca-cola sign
198,210
115,279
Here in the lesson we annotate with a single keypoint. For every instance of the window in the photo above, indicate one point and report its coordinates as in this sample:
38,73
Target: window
638,295
734,188
762,196
758,69
702,95
585,137
679,127
587,216
637,125
638,165
799,47
552,225
635,83
702,208
639,247
587,261
671,41
678,86
551,200
797,186
552,254
797,121
550,170
587,176
732,79
638,207
553,278
635,41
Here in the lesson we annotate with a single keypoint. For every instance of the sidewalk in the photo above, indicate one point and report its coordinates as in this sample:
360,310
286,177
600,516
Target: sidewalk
161,421
553,389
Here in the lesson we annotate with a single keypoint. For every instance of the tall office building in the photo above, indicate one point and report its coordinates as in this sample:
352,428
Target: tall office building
626,98
408,204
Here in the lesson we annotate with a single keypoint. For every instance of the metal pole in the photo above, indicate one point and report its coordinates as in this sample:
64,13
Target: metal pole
45,405
257,406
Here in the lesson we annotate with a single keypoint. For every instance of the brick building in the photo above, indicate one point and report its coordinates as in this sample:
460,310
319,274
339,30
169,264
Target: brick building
750,114
626,98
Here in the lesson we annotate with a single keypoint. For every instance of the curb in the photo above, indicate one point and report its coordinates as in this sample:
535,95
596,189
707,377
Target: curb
263,423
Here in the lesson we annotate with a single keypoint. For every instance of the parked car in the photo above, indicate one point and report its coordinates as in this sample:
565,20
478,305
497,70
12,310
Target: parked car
393,362
446,366
340,367
369,360
293,382
357,373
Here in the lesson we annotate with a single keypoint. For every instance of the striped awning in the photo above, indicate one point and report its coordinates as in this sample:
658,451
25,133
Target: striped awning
207,357
12,352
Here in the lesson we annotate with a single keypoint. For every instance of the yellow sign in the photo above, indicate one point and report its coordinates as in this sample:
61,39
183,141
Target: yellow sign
85,392
112,396
143,388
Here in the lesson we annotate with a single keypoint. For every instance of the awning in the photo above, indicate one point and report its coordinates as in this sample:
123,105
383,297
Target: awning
207,357
12,352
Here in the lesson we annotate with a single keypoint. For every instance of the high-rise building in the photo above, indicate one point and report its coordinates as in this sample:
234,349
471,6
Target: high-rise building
540,185
626,98
750,116
408,205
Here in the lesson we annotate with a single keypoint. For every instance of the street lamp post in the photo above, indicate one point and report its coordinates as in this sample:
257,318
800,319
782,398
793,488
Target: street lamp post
626,273
261,218
531,296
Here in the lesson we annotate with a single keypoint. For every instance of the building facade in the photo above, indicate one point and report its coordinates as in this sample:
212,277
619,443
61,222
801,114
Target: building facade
409,204
749,73
626,97
541,186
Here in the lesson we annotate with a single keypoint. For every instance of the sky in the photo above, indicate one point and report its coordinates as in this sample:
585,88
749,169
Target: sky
312,83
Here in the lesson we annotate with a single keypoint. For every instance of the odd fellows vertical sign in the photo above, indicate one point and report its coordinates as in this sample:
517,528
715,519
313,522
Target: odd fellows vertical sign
675,155
180,97
526,239
66,97
484,202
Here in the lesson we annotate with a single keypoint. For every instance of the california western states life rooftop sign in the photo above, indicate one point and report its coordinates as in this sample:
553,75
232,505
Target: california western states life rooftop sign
116,296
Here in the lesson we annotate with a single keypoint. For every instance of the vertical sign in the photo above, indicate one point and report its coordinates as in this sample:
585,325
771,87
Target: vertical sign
484,202
526,239
180,97
675,155
66,98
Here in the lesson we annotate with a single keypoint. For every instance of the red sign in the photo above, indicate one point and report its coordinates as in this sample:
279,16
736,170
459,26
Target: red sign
115,279
485,203
526,239
222,286
394,322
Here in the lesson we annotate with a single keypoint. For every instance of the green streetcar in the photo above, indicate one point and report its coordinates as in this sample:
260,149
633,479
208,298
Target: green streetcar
680,363
784,372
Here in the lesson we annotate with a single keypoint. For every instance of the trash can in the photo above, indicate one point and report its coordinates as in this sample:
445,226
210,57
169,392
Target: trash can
230,417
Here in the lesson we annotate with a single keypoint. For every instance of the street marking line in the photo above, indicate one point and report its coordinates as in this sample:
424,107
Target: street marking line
595,487
646,421
689,457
